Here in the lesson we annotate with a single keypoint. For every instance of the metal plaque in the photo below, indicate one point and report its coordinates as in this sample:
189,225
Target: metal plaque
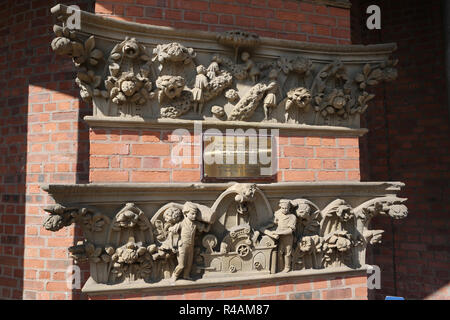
237,157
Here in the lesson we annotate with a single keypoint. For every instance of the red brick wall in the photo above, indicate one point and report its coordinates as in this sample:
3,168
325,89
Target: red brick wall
286,19
320,288
123,155
409,141
42,141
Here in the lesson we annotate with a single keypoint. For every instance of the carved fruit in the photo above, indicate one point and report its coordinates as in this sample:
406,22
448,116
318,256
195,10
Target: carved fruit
128,88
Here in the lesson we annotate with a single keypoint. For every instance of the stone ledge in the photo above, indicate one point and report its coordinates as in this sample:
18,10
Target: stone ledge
310,130
92,288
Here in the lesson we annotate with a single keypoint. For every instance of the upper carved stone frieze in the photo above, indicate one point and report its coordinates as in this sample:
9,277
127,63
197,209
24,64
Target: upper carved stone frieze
238,76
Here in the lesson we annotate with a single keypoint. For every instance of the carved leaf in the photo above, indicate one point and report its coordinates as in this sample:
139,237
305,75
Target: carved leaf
58,30
366,69
84,77
359,77
89,44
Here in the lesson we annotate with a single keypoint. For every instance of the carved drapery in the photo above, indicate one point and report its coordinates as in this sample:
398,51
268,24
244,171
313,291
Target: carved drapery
135,72
176,233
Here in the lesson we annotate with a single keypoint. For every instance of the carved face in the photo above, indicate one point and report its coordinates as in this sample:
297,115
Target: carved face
285,207
303,211
300,96
191,214
131,49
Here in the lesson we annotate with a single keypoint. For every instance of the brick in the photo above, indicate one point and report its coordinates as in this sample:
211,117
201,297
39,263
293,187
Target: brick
150,176
331,175
298,151
338,293
268,289
109,176
186,176
290,175
231,292
355,280
109,149
150,149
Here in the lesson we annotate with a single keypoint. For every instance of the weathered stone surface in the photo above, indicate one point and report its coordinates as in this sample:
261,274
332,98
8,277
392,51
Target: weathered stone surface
208,232
134,72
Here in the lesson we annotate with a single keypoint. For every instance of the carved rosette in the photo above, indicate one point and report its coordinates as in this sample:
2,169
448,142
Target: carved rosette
309,86
241,233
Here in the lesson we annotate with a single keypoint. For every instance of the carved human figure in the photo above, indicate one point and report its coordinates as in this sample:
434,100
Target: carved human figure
169,239
212,70
187,229
285,221
270,101
250,67
201,82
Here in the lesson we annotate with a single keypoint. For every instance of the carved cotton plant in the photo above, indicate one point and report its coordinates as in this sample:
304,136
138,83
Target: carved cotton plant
245,108
338,98
174,100
132,260
173,52
126,85
85,251
336,248
60,216
85,57
370,76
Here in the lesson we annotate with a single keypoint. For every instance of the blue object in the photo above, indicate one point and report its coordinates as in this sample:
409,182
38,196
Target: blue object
394,298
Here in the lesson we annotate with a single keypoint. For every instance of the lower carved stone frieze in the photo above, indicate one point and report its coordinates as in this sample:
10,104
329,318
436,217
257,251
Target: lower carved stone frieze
218,231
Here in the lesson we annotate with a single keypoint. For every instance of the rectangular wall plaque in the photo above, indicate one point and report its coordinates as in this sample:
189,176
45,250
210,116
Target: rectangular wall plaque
238,157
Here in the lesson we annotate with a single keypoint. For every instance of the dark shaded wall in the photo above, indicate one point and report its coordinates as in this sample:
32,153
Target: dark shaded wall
36,133
409,141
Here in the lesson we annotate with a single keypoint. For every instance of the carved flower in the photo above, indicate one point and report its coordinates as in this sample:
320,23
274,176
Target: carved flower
300,97
232,95
173,52
344,213
86,251
170,86
129,88
306,244
218,112
95,222
398,211
54,223
339,240
62,46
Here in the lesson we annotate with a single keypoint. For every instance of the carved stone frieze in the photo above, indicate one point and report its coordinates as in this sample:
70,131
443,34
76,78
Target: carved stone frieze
229,76
222,230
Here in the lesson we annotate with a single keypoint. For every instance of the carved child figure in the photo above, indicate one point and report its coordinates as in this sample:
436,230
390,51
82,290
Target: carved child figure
171,217
250,66
285,221
270,101
186,229
201,82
